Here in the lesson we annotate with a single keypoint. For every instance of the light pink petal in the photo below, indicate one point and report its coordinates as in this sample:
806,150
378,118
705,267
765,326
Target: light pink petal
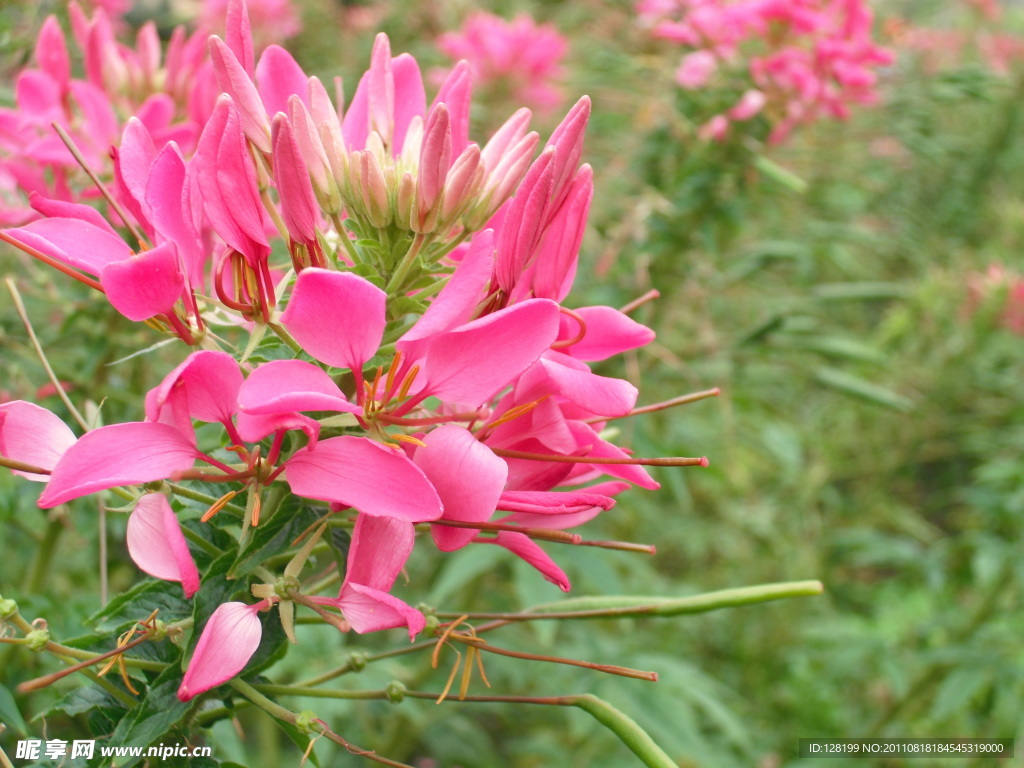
522,228
356,125
157,545
120,454
238,35
210,380
279,76
380,96
52,52
281,386
366,475
455,93
609,332
523,546
380,547
60,209
370,610
230,638
599,395
252,428
473,362
337,317
145,285
33,435
74,242
603,449
468,478
567,140
410,100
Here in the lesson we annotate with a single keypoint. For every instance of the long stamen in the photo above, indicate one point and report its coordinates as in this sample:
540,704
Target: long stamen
667,461
640,301
579,334
218,505
544,534
681,400
426,420
392,373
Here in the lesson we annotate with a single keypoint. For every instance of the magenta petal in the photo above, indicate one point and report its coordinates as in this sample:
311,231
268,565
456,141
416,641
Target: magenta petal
370,610
230,638
609,332
455,94
585,435
281,386
279,76
65,210
356,125
252,428
120,454
235,82
473,362
337,317
410,99
380,547
33,435
600,395
157,545
523,546
145,285
74,242
468,478
458,300
298,203
366,475
210,380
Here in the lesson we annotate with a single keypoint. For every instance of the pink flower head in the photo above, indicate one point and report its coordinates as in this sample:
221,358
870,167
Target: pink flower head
521,55
270,20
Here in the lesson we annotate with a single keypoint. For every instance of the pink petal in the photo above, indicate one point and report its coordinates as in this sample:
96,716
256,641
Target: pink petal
59,209
157,545
281,386
410,100
473,362
370,610
210,381
360,473
230,638
523,546
557,257
52,52
380,95
167,195
135,155
356,125
252,428
145,285
237,84
120,454
298,203
599,395
380,547
458,300
337,317
603,449
609,332
74,242
238,34
33,435
455,93
468,478
278,76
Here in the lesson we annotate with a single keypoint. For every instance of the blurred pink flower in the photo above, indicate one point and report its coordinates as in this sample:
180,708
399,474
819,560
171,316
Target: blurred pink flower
524,56
271,21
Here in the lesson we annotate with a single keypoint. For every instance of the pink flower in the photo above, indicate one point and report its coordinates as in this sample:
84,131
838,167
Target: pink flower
157,545
520,55
696,69
270,20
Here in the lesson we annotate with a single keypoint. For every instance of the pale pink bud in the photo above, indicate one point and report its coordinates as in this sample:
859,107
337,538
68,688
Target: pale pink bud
405,199
308,138
696,69
234,81
749,105
381,94
503,180
435,162
148,47
464,179
506,137
374,188
230,638
714,129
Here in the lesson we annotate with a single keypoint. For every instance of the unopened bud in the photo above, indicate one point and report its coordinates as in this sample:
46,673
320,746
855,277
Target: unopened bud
305,719
356,661
396,692
8,608
37,639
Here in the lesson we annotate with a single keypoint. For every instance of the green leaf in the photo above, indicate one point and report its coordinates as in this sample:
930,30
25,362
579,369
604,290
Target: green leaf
274,536
138,603
863,390
840,347
860,291
273,644
154,717
10,715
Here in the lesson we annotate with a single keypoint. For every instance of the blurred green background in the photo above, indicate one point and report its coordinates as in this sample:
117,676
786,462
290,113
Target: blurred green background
869,432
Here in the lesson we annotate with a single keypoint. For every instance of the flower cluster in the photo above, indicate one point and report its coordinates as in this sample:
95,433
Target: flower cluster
798,60
519,55
1000,282
170,93
426,372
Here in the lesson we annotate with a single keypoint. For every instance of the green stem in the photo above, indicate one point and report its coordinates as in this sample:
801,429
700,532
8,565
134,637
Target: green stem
398,278
44,555
351,666
346,241
286,337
